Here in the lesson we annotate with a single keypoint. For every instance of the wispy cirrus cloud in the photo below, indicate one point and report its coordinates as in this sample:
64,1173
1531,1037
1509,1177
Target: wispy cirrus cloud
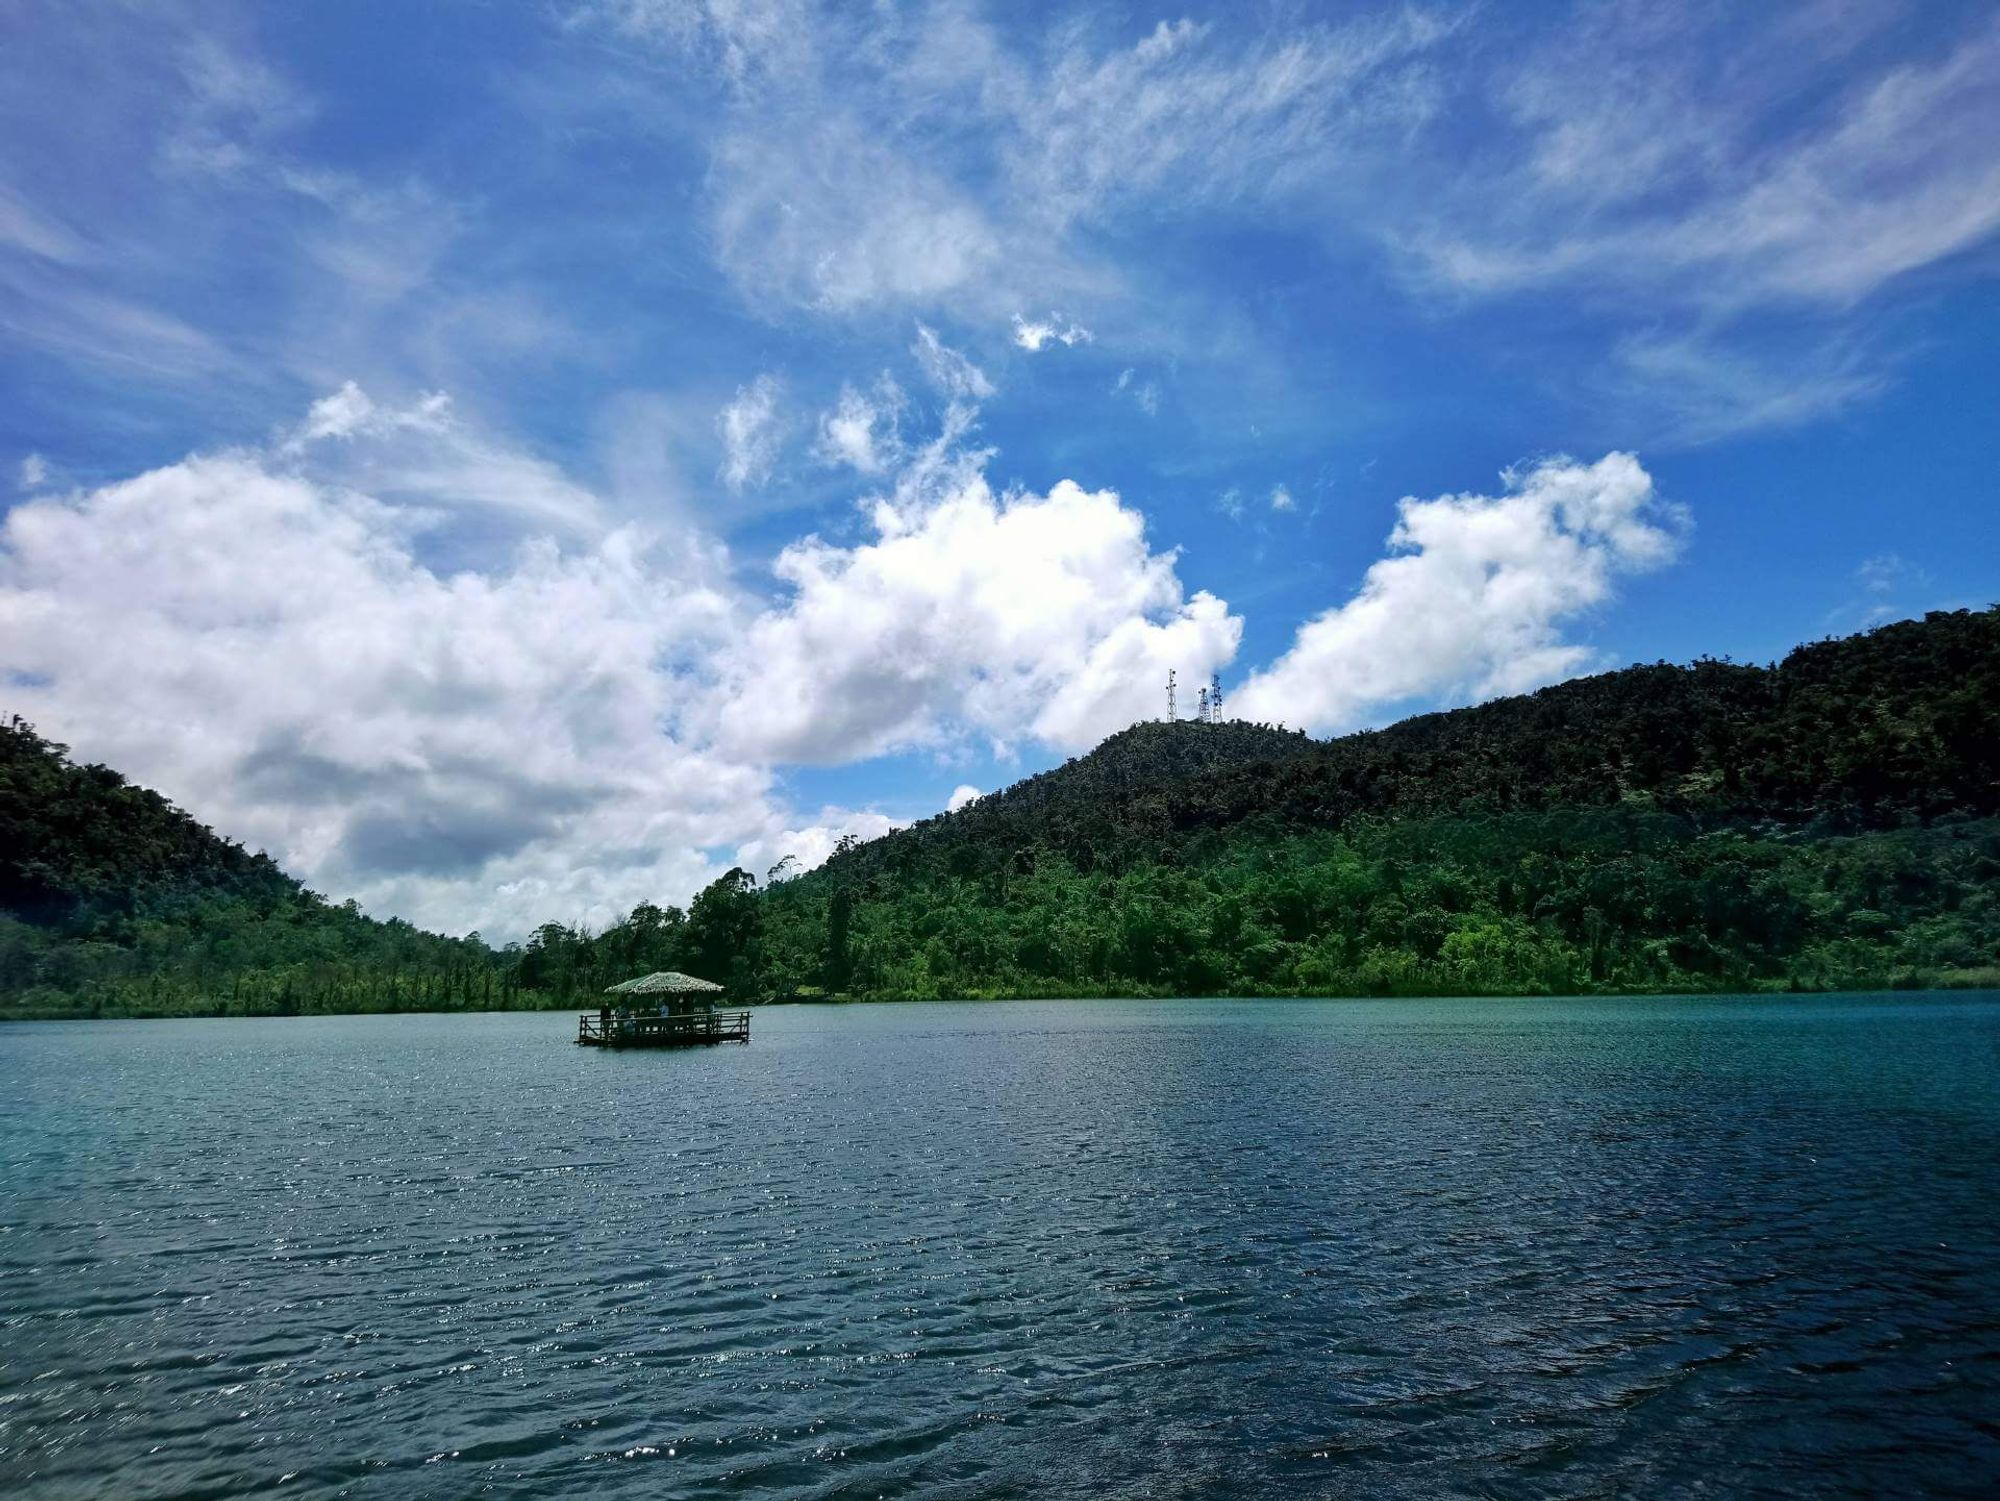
1643,154
863,429
842,174
1781,163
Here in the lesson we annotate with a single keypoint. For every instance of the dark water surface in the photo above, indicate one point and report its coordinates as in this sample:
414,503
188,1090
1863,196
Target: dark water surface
1486,1248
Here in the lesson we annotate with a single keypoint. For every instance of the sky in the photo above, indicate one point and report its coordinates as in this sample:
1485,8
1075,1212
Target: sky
516,461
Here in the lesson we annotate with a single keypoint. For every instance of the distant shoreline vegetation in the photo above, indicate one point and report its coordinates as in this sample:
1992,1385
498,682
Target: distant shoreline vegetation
1832,823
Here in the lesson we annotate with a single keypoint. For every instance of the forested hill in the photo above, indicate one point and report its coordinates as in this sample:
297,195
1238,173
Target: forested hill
1833,821
1827,821
1853,733
112,900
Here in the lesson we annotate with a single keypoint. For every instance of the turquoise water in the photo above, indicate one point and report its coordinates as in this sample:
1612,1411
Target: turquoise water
1399,1248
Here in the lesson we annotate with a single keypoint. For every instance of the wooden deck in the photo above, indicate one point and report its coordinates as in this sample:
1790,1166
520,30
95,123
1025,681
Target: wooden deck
696,1030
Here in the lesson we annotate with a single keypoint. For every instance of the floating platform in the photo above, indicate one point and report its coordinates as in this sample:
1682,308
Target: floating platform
689,1030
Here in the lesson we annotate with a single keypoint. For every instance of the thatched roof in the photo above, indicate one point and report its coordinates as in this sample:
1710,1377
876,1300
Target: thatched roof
662,982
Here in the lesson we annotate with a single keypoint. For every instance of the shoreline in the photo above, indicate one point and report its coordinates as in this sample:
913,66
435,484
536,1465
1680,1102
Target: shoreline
1942,985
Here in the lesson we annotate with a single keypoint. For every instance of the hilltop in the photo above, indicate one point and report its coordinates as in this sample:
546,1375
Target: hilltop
1827,821
1850,733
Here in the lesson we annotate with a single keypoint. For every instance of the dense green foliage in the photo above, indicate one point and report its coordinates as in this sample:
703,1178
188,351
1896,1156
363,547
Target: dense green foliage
1827,822
114,902
1575,900
1833,821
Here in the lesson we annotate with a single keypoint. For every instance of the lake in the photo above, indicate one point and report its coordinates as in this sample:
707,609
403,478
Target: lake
1341,1248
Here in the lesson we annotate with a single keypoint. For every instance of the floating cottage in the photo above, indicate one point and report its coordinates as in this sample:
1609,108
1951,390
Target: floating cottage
663,1010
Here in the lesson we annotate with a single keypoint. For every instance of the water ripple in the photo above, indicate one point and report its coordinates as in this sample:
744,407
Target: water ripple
1491,1249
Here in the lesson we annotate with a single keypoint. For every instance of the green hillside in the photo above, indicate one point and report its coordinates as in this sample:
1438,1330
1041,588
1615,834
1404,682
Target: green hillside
113,901
1833,821
1825,822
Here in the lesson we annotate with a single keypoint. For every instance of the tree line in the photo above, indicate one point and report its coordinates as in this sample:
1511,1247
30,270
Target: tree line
1833,821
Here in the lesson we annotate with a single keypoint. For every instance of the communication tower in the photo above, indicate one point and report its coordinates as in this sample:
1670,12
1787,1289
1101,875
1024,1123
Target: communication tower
1215,698
1201,713
1172,712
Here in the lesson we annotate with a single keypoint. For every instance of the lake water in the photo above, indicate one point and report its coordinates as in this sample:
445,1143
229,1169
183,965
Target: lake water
1400,1248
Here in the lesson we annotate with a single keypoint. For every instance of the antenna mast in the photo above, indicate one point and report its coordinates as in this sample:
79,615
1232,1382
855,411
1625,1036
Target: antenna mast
1172,713
1201,713
1215,698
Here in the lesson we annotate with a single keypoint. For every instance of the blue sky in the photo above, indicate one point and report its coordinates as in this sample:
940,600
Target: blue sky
513,461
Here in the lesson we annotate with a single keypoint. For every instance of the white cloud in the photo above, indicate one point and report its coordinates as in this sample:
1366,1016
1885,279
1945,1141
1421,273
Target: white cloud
1281,499
1203,113
231,104
1019,617
951,372
73,319
1789,160
1474,598
467,485
34,472
825,214
1891,586
1704,388
809,847
919,157
341,415
1727,186
1886,572
1034,335
490,748
961,795
465,697
752,432
862,431
490,745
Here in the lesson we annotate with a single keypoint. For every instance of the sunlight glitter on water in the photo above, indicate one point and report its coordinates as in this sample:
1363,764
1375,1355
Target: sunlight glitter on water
1101,1248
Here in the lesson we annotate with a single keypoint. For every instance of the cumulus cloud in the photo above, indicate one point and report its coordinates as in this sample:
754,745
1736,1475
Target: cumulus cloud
752,431
1045,617
1033,335
576,715
294,673
961,795
809,847
491,745
343,414
1281,499
1473,600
